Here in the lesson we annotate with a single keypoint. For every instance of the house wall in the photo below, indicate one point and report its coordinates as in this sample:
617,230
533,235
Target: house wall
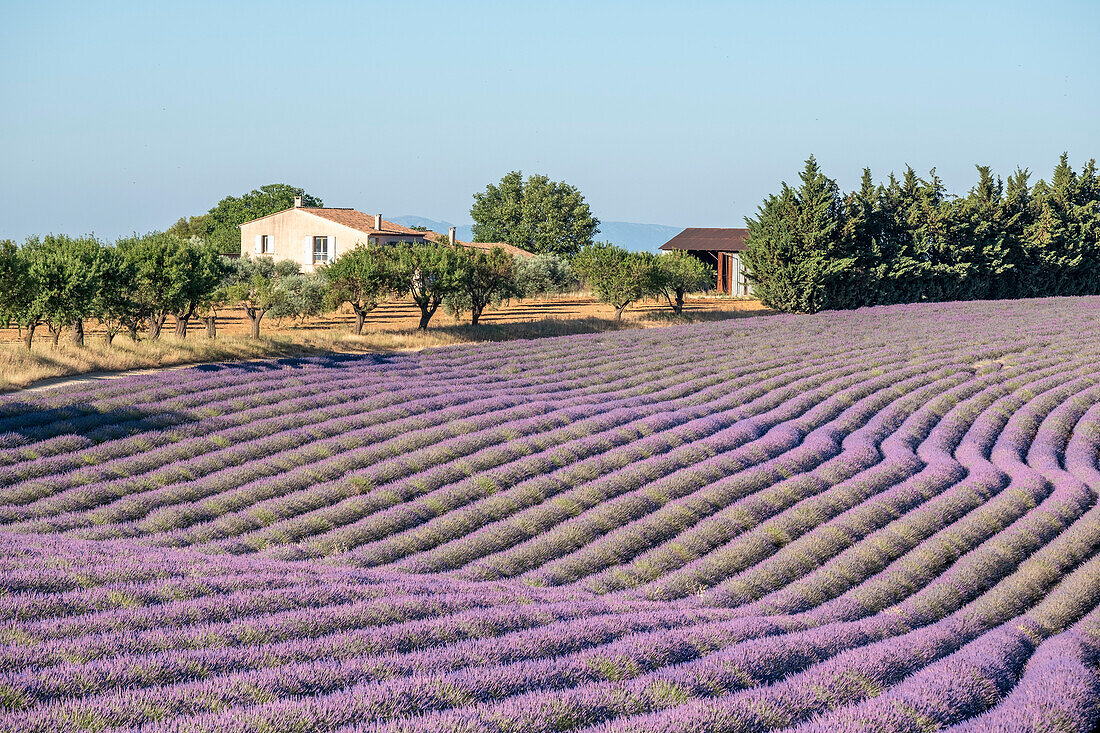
292,233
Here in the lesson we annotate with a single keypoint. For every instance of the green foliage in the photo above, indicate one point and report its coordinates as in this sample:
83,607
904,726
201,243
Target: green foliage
254,286
427,272
286,268
115,306
66,273
616,276
16,287
200,270
361,277
220,226
147,256
543,274
306,296
483,278
171,276
538,215
193,226
217,297
908,240
796,253
678,273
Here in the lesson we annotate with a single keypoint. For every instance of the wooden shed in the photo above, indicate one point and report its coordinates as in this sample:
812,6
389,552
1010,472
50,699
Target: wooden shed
719,248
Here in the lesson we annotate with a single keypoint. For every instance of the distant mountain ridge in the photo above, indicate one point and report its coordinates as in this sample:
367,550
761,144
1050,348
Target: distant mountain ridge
631,235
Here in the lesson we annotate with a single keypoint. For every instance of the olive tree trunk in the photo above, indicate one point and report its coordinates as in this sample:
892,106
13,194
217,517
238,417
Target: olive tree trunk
156,323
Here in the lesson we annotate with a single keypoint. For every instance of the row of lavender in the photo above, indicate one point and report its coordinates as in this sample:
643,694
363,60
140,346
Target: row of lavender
880,520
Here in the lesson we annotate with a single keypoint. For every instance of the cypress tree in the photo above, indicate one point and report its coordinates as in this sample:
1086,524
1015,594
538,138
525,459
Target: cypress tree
810,248
796,249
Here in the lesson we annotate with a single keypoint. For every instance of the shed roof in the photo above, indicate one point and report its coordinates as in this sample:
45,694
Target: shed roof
714,240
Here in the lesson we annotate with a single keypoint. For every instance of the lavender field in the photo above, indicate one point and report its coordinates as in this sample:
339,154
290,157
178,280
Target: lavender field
877,520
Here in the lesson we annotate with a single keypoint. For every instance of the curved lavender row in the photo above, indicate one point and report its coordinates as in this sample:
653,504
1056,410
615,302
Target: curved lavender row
744,434
587,464
573,702
861,451
1060,686
899,465
611,418
299,405
846,676
125,457
964,683
875,501
266,397
502,634
366,419
940,473
912,549
970,680
818,442
399,602
107,420
1067,549
249,445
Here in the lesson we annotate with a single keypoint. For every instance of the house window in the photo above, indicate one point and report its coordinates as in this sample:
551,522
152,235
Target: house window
267,247
320,250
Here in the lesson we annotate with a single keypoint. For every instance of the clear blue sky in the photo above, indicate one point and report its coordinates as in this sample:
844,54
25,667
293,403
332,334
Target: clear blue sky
124,116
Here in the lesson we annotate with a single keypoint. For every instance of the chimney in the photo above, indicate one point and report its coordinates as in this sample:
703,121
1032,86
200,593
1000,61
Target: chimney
378,222
451,236
297,202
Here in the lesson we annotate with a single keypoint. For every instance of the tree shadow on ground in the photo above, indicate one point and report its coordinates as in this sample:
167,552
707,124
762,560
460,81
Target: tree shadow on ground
71,410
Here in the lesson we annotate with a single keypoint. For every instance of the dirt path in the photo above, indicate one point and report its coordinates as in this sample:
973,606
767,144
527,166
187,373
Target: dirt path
54,382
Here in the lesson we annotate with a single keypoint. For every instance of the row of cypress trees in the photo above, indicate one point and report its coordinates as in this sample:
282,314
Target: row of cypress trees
813,248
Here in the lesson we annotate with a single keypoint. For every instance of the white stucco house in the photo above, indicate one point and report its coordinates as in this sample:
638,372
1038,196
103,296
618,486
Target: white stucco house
314,236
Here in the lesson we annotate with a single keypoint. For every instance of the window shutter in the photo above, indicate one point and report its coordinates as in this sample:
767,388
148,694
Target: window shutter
309,250
331,248
259,243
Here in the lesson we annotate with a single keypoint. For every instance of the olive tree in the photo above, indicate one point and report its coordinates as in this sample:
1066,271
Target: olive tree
616,276
20,300
427,272
677,273
483,278
116,307
66,273
255,289
305,296
199,271
361,277
542,274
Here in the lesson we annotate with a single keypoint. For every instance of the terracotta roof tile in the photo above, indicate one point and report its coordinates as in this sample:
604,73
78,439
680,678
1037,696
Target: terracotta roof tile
363,222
